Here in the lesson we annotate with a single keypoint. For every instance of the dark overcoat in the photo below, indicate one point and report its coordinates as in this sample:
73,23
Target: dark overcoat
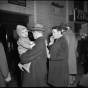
38,70
4,71
58,64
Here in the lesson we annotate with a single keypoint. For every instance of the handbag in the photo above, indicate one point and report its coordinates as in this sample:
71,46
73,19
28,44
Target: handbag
84,81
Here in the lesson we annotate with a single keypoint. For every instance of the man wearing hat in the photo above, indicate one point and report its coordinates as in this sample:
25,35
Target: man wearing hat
38,57
72,45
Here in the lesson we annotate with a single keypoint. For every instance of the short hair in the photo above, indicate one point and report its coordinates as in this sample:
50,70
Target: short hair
57,27
63,26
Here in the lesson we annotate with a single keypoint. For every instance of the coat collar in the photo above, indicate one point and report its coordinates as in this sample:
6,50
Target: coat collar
39,39
69,32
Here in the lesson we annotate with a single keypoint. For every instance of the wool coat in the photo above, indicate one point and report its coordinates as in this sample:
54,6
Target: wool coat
72,44
38,70
58,64
4,71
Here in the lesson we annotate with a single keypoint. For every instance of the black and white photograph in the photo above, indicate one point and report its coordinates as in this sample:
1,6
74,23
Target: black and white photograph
44,43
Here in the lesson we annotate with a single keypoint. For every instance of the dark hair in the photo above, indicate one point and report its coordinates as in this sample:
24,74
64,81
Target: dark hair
63,26
57,27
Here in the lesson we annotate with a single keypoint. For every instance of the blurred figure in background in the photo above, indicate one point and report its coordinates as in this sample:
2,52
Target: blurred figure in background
72,45
83,52
5,76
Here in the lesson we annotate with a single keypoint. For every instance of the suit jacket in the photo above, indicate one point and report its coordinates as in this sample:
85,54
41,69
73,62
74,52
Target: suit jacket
58,63
3,66
72,44
37,56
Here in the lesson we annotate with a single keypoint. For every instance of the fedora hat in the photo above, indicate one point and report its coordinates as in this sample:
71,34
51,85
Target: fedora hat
37,27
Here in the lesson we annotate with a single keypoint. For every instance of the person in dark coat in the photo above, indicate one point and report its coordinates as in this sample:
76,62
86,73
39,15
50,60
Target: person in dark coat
38,57
58,64
5,76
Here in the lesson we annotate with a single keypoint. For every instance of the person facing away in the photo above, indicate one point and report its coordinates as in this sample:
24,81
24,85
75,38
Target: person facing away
24,44
58,75
72,44
5,76
38,57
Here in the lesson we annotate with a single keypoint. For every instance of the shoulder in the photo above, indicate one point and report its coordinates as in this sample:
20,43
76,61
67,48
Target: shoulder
63,40
1,46
40,42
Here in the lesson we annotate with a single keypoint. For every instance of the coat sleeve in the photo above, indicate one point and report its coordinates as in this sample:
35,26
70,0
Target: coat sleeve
32,54
3,62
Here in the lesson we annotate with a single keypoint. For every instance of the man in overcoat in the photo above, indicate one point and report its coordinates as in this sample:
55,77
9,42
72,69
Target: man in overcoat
38,57
58,75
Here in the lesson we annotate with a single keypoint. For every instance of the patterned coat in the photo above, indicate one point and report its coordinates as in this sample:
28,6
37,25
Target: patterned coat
3,66
38,70
72,44
58,64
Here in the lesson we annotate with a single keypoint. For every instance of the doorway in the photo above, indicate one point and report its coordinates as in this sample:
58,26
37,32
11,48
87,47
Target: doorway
8,22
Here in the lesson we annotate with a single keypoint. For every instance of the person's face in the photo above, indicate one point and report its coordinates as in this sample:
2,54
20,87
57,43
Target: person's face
24,33
55,33
34,34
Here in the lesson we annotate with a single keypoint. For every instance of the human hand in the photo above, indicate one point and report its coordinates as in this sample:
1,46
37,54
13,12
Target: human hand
8,79
51,40
32,45
27,67
21,50
20,66
48,55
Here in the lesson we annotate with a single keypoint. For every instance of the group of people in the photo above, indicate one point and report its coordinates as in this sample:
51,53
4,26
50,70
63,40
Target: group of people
60,51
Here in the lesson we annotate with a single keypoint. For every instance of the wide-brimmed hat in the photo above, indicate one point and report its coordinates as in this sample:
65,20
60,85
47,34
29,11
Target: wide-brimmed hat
37,27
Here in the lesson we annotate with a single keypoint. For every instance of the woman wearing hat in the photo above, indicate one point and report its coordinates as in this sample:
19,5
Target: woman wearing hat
72,44
38,57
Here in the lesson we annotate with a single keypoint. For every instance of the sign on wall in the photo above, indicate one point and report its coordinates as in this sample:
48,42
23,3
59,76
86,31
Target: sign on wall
80,16
18,2
57,11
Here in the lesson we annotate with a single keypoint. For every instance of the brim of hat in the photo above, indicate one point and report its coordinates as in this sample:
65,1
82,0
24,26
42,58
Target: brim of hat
37,29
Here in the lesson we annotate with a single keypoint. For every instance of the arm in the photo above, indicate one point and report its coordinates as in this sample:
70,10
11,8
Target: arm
32,54
3,64
25,43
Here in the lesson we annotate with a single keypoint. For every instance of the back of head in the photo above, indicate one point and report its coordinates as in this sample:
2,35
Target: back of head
63,26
